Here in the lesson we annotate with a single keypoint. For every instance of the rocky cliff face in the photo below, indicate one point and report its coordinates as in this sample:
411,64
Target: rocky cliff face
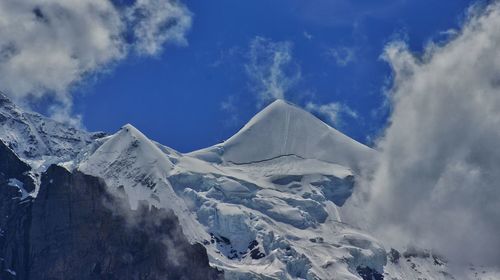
74,229
15,211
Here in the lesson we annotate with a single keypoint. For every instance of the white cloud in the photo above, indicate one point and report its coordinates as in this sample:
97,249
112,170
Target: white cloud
271,69
157,22
342,55
449,32
47,47
333,112
437,182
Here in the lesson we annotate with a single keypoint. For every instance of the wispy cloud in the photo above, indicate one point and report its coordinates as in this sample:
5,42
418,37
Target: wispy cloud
275,74
271,69
436,185
225,56
334,112
308,35
342,55
47,47
231,109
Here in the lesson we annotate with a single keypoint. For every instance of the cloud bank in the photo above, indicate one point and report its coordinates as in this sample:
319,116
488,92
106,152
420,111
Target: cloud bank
47,47
437,182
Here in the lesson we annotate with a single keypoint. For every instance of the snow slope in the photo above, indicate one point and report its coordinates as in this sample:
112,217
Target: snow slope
39,140
138,168
283,129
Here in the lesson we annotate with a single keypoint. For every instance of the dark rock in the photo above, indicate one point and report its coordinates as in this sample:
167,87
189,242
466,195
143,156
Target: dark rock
256,254
394,256
253,244
285,180
416,253
368,273
438,260
12,167
15,215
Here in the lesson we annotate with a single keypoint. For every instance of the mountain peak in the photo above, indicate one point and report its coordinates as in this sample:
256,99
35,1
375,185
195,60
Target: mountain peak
281,108
124,156
283,129
281,102
130,140
129,129
279,105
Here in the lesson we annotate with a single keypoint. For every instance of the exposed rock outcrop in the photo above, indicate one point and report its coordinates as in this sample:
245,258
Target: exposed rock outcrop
15,213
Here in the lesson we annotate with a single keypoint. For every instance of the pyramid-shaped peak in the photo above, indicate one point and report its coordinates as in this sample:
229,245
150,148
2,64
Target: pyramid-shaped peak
129,133
127,147
127,136
283,128
130,129
130,159
129,126
281,109
280,105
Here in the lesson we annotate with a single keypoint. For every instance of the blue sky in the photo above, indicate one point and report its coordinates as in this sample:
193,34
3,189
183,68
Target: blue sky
177,96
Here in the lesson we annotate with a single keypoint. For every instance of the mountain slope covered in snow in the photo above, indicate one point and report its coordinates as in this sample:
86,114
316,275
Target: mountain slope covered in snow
259,215
38,139
282,129
265,203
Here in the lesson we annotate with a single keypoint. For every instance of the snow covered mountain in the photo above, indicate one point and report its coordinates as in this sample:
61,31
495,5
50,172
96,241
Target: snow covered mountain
282,129
267,213
265,203
38,139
